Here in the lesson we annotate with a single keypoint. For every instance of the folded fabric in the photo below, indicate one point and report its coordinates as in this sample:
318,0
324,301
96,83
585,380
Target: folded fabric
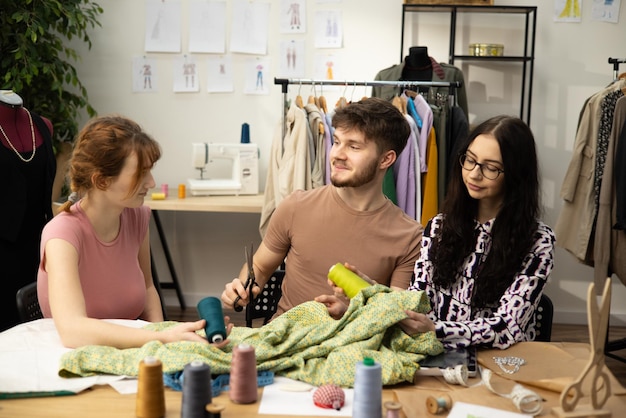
29,362
304,344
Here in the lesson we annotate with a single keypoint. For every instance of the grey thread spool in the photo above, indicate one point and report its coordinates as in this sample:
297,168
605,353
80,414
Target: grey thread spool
368,390
210,309
196,390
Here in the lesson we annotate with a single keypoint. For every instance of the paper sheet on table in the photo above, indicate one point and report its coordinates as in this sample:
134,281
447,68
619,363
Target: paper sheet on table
464,410
29,361
278,400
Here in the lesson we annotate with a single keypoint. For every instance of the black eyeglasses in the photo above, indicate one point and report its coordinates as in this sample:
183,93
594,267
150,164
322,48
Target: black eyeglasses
489,171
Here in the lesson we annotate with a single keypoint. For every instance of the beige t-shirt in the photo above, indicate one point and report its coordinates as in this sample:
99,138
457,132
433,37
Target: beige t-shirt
316,230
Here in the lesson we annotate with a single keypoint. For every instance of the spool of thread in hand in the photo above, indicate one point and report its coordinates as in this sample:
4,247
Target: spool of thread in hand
150,391
368,390
243,375
196,389
349,281
245,133
210,309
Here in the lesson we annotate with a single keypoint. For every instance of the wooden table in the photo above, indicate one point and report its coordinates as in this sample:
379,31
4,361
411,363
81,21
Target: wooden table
105,402
228,204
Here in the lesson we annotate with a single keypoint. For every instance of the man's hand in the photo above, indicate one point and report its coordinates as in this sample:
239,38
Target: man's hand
234,289
337,305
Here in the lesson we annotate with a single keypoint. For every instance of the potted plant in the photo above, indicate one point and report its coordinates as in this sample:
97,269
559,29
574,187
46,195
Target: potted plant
36,61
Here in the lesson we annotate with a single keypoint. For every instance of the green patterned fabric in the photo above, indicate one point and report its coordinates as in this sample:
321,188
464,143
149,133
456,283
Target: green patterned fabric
304,343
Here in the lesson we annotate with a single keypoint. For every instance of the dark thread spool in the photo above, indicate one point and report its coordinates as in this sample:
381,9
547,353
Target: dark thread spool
438,405
210,309
368,390
196,389
245,133
243,375
150,401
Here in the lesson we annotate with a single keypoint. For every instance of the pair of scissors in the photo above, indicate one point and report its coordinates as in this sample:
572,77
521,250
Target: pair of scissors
250,282
598,318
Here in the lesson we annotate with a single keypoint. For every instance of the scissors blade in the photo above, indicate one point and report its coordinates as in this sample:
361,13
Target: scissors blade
249,258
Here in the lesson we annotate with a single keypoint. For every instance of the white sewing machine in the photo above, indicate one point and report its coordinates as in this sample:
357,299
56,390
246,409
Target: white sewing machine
243,174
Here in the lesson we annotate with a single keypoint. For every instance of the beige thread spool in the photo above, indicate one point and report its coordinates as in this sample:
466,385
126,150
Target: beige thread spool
438,405
393,409
150,401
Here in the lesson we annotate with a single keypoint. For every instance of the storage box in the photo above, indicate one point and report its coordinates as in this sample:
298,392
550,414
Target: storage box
453,2
486,50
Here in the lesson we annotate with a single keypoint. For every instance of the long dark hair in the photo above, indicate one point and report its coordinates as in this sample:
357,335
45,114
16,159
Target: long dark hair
514,229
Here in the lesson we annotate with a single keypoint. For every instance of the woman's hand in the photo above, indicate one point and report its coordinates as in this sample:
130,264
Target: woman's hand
187,331
416,323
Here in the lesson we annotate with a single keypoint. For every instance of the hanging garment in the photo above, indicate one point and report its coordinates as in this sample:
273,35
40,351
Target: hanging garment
441,72
577,190
289,166
610,237
316,125
406,173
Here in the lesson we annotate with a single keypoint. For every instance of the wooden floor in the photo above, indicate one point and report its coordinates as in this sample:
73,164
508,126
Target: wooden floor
560,332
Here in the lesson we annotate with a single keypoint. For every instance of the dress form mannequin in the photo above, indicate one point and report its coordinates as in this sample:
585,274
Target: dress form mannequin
27,176
16,125
417,65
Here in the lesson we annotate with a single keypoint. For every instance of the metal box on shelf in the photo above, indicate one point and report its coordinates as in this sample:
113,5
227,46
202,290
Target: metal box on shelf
453,2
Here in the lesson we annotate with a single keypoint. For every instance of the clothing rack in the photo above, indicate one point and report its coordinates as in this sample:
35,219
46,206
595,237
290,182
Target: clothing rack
285,82
616,62
619,344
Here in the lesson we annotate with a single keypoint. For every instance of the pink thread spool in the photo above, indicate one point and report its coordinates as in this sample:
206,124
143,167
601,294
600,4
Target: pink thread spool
165,189
243,375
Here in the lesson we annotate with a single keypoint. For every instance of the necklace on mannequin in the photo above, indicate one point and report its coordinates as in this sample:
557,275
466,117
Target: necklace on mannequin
32,132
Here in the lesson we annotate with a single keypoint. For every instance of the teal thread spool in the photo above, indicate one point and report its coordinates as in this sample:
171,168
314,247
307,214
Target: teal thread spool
349,281
210,309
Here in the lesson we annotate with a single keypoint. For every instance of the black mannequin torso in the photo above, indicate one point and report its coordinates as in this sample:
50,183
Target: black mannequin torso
417,65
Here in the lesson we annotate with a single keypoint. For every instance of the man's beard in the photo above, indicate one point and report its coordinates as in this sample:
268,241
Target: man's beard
358,179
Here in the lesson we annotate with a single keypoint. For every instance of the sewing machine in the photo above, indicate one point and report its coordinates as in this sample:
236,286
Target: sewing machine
243,174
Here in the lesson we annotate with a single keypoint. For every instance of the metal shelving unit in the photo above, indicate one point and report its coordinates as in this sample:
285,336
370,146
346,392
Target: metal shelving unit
526,60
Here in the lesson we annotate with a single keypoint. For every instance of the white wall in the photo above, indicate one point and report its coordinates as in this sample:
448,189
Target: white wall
571,64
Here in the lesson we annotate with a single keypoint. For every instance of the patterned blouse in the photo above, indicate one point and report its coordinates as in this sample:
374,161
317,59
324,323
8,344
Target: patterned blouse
457,323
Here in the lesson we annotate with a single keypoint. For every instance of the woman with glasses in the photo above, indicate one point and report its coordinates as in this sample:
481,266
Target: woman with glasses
484,260
486,257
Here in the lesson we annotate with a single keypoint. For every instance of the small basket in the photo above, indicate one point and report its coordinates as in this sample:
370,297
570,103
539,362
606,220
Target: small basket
486,50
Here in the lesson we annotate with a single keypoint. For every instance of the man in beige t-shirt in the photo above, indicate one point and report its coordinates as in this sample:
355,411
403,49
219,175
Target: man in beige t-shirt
348,221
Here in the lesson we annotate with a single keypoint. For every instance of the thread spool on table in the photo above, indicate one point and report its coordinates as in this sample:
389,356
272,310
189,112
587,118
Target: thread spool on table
150,402
438,405
393,409
196,389
368,390
243,375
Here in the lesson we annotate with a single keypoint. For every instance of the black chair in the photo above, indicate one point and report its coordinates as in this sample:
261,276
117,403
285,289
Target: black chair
27,303
266,303
543,319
